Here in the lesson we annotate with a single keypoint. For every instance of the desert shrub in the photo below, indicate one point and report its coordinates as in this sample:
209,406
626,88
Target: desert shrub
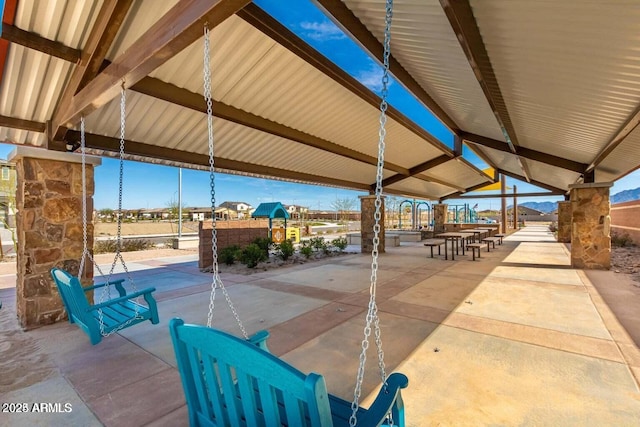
128,245
340,243
251,255
306,249
263,243
285,249
317,243
230,254
553,227
621,239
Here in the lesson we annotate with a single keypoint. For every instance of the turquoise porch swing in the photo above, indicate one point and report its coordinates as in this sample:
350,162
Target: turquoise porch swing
109,315
230,381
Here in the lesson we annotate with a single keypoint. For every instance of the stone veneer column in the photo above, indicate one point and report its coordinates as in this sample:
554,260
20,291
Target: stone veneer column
564,222
439,217
590,226
49,228
367,221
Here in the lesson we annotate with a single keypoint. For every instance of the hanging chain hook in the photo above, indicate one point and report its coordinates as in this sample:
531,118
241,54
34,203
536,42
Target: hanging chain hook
372,313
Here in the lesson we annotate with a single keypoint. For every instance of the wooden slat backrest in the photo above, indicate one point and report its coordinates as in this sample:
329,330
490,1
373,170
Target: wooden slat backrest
72,295
232,382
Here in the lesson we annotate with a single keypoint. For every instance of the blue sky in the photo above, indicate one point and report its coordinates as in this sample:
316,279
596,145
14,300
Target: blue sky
142,180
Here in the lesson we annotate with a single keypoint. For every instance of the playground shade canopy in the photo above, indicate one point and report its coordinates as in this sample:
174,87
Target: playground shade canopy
545,91
271,211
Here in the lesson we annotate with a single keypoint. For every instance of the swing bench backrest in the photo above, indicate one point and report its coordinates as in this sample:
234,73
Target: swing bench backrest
231,382
117,313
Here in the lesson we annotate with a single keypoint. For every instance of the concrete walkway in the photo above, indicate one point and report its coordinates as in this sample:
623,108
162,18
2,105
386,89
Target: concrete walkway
514,338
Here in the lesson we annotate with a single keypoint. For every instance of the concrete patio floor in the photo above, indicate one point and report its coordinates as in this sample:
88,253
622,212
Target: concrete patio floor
514,338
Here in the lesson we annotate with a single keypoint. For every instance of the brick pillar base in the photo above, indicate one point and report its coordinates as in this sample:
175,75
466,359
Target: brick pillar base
590,226
49,229
564,222
368,209
439,217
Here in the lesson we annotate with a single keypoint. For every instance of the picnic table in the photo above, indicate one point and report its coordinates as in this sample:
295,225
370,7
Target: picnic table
454,238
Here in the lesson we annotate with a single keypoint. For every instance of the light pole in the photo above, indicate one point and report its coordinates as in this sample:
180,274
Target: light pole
179,203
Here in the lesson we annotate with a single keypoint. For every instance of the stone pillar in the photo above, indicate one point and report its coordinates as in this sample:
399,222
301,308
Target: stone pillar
49,228
564,222
439,217
367,221
590,226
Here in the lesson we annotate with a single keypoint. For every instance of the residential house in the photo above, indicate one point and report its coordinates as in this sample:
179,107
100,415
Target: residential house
242,209
7,194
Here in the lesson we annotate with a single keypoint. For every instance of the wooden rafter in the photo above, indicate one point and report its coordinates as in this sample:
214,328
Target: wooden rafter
537,183
463,23
135,148
278,32
527,153
415,170
177,29
194,101
617,139
30,125
498,196
352,25
103,32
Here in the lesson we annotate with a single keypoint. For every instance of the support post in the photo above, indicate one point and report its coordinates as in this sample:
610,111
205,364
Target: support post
503,200
368,209
515,207
590,226
49,229
439,217
564,222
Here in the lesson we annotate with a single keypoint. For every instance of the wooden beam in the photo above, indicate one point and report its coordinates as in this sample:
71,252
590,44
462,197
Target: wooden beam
195,101
415,170
527,153
618,138
410,194
536,183
499,196
352,25
178,28
36,42
30,125
103,32
134,148
467,190
463,23
287,39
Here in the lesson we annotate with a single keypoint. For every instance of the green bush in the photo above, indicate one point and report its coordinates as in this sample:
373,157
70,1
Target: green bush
317,243
230,254
263,243
128,245
251,255
285,250
621,240
340,243
306,250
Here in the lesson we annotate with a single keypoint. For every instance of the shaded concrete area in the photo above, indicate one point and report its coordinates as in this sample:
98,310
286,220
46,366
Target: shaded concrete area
514,338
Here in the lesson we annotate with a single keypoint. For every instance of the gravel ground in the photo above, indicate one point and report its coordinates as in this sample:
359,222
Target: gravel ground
626,260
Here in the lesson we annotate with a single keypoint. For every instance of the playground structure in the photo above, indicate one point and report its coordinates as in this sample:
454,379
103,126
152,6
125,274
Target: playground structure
462,214
421,214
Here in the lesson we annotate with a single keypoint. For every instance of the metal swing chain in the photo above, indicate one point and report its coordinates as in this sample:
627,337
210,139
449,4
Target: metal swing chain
106,290
216,281
372,313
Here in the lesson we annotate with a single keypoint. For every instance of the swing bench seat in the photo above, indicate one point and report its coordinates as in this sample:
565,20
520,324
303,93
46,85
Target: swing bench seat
117,313
229,381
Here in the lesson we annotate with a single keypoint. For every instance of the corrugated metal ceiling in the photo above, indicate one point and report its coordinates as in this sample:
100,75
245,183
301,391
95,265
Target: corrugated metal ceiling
568,86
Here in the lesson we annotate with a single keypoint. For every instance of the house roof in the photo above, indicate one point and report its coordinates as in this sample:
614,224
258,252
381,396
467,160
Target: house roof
543,91
270,210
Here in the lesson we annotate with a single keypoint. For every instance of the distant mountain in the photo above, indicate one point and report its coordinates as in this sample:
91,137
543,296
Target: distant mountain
545,207
626,196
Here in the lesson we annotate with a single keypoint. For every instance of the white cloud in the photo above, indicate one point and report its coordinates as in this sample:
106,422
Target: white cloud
372,78
322,31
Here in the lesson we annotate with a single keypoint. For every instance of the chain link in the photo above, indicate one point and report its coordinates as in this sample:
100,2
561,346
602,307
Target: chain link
372,313
106,290
216,281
